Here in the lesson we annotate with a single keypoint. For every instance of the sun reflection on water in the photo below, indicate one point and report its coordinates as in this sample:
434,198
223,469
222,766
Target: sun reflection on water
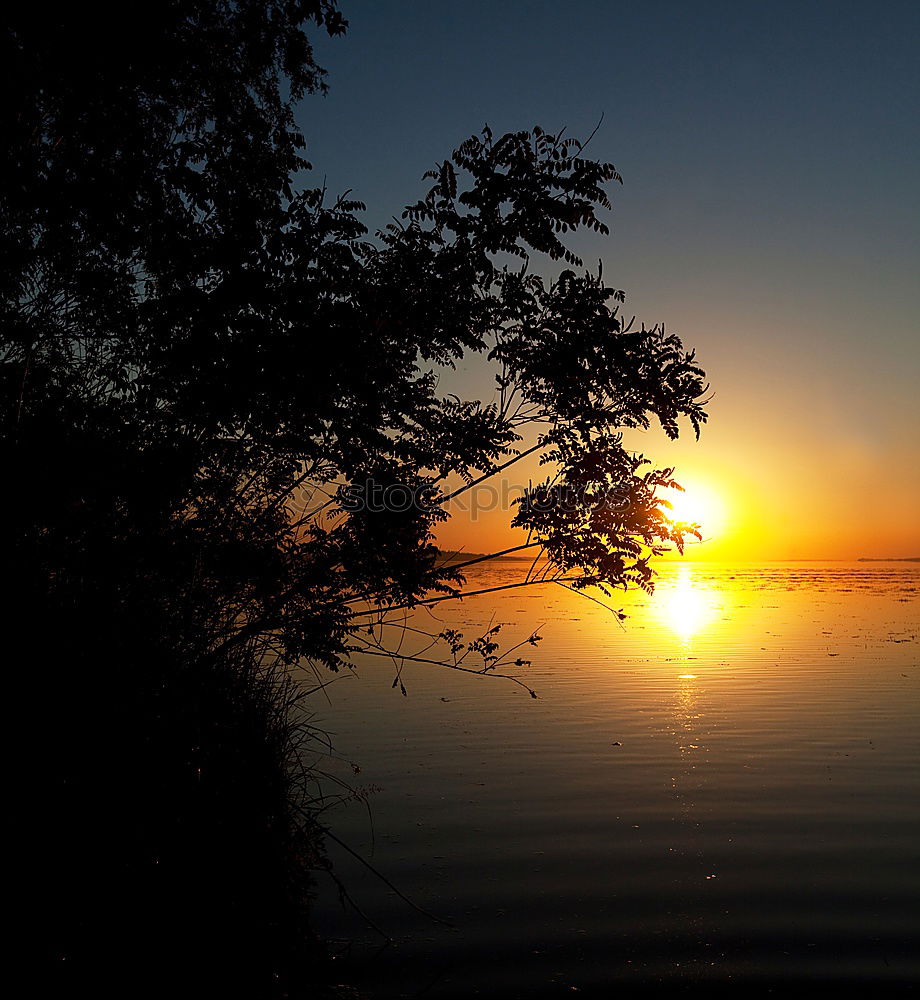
687,715
685,607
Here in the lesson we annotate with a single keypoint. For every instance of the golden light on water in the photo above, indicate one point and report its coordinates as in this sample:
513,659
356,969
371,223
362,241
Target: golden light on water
684,606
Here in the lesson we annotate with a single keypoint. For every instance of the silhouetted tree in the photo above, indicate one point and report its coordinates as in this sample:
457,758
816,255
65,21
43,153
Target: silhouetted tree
190,346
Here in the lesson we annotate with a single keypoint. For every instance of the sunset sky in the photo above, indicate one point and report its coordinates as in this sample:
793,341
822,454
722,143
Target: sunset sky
769,216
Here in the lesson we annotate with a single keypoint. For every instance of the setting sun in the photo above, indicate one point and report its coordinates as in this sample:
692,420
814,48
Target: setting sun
697,505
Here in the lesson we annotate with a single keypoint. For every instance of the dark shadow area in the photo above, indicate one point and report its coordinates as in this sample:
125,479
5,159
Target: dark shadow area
170,847
207,374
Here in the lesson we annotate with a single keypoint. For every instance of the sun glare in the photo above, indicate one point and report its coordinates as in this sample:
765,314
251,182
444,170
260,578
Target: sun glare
684,606
697,505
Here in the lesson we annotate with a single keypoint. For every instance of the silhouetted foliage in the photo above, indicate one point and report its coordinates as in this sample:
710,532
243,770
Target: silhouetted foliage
191,348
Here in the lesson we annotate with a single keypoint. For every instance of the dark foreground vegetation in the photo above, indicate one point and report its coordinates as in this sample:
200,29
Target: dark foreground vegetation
201,366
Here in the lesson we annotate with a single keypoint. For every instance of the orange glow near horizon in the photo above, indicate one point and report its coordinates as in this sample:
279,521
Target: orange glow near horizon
700,505
755,497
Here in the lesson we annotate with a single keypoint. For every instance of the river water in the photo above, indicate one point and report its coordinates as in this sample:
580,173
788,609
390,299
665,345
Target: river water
720,791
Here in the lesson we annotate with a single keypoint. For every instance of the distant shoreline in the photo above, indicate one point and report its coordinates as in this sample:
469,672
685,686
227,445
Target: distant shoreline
460,556
890,559
455,555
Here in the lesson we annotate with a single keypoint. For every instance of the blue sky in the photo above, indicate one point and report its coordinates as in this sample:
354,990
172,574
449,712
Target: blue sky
769,212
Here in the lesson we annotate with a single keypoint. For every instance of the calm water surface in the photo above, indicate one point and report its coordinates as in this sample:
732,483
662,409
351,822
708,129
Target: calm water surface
724,790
